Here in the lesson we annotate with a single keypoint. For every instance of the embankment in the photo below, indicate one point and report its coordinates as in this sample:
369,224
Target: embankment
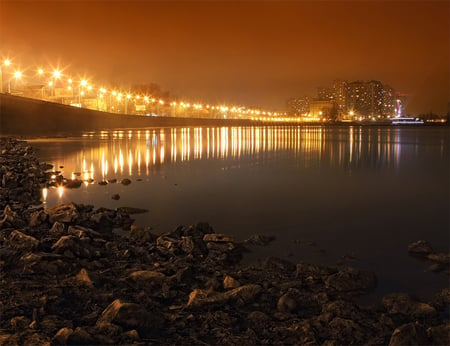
21,116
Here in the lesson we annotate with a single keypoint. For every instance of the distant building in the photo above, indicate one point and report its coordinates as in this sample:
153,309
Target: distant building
389,101
340,95
325,94
324,109
365,98
297,106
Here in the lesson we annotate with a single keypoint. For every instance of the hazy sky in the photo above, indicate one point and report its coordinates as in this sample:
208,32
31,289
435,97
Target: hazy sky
254,52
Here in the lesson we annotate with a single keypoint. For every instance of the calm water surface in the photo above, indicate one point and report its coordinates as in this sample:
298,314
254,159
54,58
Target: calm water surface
356,195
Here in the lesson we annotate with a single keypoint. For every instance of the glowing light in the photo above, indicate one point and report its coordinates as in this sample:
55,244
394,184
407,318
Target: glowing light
89,87
44,194
50,83
60,191
40,72
17,74
69,81
83,82
128,96
57,74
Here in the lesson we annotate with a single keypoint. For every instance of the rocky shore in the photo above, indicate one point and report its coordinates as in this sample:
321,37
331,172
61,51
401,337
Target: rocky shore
68,276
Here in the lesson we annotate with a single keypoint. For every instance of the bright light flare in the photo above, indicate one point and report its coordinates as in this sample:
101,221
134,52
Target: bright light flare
17,74
7,62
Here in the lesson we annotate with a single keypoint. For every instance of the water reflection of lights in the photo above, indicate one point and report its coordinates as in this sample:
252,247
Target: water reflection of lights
44,194
143,154
60,191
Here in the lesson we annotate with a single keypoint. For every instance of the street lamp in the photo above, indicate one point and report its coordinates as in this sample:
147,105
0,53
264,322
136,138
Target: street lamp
56,75
17,75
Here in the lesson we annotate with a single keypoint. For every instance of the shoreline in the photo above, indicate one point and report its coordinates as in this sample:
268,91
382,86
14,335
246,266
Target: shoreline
67,278
24,117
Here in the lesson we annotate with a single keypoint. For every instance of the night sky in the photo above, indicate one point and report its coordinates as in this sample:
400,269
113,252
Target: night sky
254,53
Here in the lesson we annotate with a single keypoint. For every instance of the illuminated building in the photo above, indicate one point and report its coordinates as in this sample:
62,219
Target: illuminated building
322,109
365,98
297,106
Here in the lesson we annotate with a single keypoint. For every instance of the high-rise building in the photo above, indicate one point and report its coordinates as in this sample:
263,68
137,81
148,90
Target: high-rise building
325,94
389,101
340,94
365,98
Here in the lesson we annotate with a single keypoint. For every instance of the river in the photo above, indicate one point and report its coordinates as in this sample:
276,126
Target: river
333,195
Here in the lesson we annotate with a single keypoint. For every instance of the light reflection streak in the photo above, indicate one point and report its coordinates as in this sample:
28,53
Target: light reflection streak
309,145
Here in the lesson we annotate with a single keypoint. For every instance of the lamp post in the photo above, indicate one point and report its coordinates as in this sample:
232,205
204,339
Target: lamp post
17,75
40,74
6,63
126,103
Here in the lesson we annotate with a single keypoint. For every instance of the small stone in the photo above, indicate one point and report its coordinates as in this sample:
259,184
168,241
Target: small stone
218,238
230,282
83,277
286,303
115,197
420,247
409,334
62,336
125,181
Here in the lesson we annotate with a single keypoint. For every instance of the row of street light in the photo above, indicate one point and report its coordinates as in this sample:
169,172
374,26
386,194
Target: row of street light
79,92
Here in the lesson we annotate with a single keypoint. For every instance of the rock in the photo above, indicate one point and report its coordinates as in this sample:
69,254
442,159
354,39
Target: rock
420,247
131,210
286,303
147,275
443,258
37,218
441,299
439,335
261,240
115,196
230,282
244,294
219,238
80,337
63,213
351,280
132,316
103,183
199,298
403,303
125,181
112,181
73,184
409,334
83,278
57,229
142,234
20,241
19,323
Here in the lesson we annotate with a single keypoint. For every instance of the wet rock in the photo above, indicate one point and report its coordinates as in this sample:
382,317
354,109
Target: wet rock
405,304
409,334
286,303
131,210
199,298
63,213
80,337
147,275
84,278
37,218
20,241
420,247
351,280
230,282
103,183
442,258
261,240
142,234
441,299
439,335
132,316
19,323
218,238
73,184
244,294
112,181
57,229
125,181
115,197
